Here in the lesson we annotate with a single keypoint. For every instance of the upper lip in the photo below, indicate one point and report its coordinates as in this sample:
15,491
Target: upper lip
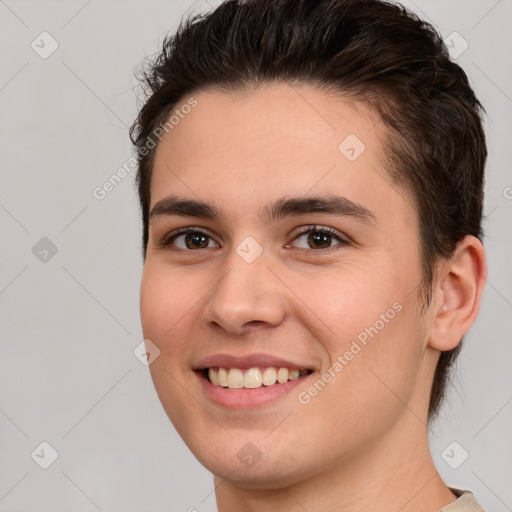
248,361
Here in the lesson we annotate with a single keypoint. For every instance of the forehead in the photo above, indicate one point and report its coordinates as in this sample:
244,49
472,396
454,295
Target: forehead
269,142
278,123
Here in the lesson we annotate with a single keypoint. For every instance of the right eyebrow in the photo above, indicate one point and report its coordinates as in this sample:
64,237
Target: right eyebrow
174,205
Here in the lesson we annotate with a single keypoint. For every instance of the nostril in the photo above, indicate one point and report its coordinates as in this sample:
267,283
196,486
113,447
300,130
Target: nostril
254,323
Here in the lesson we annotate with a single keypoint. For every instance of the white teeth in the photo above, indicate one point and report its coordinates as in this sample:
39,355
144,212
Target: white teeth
282,375
213,376
223,377
269,376
252,378
234,378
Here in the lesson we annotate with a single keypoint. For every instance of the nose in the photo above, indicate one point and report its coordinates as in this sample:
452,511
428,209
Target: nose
247,296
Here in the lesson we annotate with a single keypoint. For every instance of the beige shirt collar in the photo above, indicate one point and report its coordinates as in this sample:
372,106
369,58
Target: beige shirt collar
465,502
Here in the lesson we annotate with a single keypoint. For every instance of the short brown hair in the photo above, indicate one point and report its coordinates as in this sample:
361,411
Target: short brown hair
371,50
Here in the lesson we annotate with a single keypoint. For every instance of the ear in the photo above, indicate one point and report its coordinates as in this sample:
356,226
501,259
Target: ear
457,293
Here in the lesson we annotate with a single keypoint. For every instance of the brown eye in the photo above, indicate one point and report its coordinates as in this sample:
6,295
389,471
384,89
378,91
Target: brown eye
196,240
319,238
190,239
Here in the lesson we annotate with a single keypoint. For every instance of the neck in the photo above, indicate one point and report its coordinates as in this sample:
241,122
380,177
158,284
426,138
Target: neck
395,474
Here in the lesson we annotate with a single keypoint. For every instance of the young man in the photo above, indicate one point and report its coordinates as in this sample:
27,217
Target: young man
311,183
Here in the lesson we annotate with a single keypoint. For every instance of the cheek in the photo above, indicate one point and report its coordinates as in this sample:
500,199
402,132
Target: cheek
367,323
164,304
164,295
154,293
349,301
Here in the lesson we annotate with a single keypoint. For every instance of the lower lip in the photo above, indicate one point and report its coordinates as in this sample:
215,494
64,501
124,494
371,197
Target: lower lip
246,398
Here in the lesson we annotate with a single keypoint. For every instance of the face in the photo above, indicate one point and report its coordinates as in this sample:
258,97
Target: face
303,256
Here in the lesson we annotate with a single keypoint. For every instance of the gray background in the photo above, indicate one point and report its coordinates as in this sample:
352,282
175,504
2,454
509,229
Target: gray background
70,320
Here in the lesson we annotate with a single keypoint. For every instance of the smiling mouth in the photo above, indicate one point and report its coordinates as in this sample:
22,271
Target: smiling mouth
252,378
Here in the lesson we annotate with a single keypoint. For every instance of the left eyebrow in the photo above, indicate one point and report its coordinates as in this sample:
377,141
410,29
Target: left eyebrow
333,205
271,213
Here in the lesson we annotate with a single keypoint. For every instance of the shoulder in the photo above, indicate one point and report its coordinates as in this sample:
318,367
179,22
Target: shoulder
465,502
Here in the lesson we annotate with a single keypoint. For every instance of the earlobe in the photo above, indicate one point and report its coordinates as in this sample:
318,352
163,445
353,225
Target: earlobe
457,294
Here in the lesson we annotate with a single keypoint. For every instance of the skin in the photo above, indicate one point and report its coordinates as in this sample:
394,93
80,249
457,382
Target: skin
361,443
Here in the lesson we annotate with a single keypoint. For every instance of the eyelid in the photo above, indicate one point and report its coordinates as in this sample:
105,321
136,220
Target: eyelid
166,239
324,229
342,239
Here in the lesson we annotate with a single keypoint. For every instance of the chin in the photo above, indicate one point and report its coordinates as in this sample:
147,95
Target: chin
249,468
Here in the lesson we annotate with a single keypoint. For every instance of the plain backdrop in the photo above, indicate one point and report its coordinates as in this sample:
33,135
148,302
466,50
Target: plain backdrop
71,266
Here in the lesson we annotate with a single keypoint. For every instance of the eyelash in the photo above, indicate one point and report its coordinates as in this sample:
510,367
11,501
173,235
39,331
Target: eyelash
167,240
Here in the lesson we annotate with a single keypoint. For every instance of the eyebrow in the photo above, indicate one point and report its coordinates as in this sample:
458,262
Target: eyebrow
273,212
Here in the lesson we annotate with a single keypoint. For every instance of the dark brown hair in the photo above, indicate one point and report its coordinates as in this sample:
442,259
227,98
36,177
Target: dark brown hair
368,50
